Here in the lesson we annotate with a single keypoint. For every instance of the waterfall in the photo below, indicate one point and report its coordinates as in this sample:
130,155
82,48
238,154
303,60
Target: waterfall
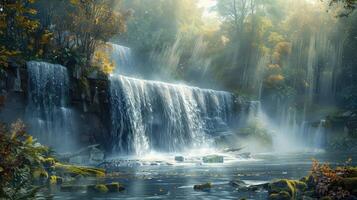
122,58
50,120
152,115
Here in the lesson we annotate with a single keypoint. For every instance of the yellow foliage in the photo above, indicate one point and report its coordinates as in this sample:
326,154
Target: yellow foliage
273,79
102,60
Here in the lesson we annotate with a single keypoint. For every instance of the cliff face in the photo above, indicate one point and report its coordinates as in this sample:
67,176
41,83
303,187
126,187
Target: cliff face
90,106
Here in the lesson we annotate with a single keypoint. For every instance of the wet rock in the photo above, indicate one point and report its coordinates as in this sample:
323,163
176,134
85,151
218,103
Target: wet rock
179,158
115,187
99,188
238,184
205,186
213,159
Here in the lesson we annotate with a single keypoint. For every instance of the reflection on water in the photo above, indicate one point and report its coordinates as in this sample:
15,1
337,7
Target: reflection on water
176,181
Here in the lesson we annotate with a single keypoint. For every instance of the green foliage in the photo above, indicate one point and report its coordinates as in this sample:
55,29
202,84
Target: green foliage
20,158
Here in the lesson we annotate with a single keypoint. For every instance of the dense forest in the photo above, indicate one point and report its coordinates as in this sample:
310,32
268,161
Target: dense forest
96,95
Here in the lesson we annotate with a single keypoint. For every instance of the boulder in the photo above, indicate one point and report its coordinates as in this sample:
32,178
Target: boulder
99,188
238,184
213,159
205,186
179,158
115,187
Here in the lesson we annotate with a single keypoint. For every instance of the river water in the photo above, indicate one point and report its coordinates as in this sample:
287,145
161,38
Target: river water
175,181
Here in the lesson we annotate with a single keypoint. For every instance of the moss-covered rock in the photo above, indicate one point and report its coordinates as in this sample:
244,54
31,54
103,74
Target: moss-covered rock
205,186
99,188
282,195
115,187
292,187
74,170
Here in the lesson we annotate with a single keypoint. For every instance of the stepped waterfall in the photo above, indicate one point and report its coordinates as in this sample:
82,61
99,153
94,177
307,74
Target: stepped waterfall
156,116
47,112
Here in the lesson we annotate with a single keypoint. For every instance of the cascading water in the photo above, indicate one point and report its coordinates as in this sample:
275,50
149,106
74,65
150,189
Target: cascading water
122,58
50,120
152,115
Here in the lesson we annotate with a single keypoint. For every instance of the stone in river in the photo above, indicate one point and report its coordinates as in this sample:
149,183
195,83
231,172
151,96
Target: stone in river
205,186
212,159
179,158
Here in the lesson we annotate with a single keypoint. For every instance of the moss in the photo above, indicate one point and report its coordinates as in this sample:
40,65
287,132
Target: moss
282,195
205,186
101,188
80,170
285,185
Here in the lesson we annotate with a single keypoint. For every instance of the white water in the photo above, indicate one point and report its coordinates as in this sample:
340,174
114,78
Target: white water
152,115
156,116
49,117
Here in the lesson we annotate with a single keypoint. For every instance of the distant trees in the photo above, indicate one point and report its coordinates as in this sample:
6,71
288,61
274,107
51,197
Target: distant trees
80,26
63,31
348,5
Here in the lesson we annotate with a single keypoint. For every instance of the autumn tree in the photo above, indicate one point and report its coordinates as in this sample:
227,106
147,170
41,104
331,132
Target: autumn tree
18,28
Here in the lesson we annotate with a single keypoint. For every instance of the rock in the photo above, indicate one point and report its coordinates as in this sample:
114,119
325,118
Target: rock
96,155
179,158
213,159
73,188
205,186
99,188
292,187
115,187
283,195
238,184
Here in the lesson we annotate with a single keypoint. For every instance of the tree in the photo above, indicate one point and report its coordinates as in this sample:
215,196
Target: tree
348,5
18,29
